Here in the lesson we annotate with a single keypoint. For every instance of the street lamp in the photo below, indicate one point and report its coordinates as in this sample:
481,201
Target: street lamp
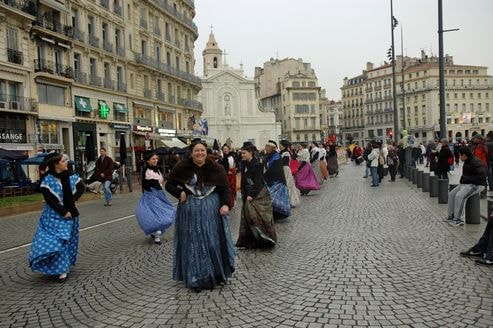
393,24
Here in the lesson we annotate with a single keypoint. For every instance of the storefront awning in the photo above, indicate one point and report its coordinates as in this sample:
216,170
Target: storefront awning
83,104
120,108
175,142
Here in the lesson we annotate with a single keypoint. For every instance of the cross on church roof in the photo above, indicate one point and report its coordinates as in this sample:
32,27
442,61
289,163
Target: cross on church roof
212,28
225,54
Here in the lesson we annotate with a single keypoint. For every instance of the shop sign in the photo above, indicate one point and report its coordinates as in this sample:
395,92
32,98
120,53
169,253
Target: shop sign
166,132
140,128
120,126
12,136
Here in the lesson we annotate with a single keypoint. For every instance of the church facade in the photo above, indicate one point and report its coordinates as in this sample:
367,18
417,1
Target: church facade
230,107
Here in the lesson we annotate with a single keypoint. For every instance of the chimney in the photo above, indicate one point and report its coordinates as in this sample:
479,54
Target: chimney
369,66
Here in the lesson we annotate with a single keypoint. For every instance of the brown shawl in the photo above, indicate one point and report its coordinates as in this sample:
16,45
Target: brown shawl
211,173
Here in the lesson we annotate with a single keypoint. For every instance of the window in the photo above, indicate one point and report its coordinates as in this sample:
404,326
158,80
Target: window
50,94
104,31
48,132
12,39
90,25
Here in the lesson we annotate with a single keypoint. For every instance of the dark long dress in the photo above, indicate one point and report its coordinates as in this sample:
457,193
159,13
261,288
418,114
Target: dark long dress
204,252
257,223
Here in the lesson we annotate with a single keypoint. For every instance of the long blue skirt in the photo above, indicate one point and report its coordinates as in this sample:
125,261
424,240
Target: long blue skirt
204,253
50,254
154,211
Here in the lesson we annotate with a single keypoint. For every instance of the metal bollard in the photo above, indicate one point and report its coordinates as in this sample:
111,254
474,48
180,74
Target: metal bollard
473,215
442,191
419,179
414,172
433,186
490,206
426,181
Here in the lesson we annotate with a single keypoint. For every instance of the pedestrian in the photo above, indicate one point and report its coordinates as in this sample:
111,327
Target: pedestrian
483,249
392,162
367,152
55,244
472,182
374,157
332,164
293,192
204,252
104,174
422,153
305,179
444,159
489,146
228,162
275,181
315,161
257,222
154,212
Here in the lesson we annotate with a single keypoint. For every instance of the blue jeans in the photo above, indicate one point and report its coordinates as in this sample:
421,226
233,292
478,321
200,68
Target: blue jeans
374,176
457,198
367,169
107,191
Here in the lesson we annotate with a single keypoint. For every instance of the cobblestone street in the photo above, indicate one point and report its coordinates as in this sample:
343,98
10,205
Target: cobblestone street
350,256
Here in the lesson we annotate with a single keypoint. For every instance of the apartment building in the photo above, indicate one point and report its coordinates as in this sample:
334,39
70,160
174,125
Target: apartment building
99,69
334,113
289,87
353,116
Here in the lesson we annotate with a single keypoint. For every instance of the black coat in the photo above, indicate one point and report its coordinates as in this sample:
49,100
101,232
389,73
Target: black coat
252,179
473,172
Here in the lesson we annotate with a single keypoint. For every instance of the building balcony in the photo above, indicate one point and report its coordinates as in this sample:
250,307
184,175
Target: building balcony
80,77
107,46
160,96
120,51
121,86
47,66
95,80
27,6
94,41
190,103
171,99
387,86
143,23
157,31
142,121
188,22
49,22
370,89
147,93
15,56
105,4
166,125
16,103
168,37
377,88
79,35
108,83
117,9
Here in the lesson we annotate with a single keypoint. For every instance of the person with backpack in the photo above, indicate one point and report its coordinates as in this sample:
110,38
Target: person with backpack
443,163
392,162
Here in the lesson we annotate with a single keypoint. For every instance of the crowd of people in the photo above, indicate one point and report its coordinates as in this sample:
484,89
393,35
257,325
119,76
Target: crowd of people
272,181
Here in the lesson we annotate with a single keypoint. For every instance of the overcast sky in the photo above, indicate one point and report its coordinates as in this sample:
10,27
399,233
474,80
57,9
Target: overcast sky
338,37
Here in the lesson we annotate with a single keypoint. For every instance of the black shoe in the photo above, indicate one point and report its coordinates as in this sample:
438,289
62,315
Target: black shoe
471,253
484,262
197,290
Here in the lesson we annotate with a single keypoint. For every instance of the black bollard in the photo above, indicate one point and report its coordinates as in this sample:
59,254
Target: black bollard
419,179
426,181
490,206
414,172
473,215
442,191
433,186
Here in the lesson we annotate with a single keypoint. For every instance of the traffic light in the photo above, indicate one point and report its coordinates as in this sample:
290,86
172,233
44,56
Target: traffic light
103,109
391,134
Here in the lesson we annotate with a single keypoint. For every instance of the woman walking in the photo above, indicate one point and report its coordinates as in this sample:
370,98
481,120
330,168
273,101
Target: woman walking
332,163
305,179
228,161
257,223
55,244
315,161
204,253
294,193
373,157
275,181
154,212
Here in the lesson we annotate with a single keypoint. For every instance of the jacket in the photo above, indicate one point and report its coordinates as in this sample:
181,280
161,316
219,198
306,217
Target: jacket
473,172
104,166
373,157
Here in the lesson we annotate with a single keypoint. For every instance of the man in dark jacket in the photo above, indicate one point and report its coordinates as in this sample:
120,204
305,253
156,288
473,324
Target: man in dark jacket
104,173
472,181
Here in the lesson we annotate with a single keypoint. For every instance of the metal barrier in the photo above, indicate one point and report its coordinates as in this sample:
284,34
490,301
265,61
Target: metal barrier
442,191
473,215
426,181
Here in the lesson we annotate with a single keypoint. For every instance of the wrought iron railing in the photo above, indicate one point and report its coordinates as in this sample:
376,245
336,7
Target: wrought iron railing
15,56
16,103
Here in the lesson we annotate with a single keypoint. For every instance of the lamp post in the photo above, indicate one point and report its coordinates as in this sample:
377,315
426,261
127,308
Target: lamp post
393,24
441,71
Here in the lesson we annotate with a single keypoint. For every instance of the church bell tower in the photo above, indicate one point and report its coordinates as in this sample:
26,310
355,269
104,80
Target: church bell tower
212,55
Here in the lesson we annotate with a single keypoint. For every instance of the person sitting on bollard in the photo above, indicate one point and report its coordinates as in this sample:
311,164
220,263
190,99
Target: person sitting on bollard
472,182
483,250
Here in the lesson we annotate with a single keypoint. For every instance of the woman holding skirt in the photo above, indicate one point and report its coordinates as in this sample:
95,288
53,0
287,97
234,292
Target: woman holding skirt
204,253
305,179
257,222
228,161
154,212
315,161
294,193
55,244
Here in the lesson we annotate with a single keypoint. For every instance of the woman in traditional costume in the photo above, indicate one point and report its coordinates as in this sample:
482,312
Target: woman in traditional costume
55,244
294,193
275,181
257,223
204,252
305,179
331,157
323,163
228,161
155,213
315,161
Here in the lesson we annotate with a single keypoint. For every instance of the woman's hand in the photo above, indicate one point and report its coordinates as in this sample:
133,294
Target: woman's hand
249,198
68,215
183,197
224,210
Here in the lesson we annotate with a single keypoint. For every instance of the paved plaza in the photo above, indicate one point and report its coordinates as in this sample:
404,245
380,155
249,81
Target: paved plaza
350,256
